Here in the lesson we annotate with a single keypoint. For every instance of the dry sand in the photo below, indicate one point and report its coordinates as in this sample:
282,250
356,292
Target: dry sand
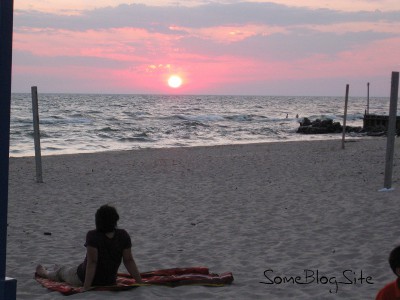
286,207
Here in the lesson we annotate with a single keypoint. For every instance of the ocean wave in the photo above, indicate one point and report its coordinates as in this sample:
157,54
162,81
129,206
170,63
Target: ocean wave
338,117
58,120
42,134
136,114
323,117
105,136
191,124
108,129
353,117
18,120
246,118
200,118
51,148
140,137
125,122
93,112
240,118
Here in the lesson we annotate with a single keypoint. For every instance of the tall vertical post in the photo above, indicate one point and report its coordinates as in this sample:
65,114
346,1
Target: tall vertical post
345,115
394,92
368,98
8,286
36,134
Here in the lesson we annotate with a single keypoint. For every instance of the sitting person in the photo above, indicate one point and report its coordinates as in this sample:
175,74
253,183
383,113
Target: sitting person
392,290
105,246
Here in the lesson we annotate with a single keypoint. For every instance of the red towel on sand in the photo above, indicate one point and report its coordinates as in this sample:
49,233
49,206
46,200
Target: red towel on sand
167,277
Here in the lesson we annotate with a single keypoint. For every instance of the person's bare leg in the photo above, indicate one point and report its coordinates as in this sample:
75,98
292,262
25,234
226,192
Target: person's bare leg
53,275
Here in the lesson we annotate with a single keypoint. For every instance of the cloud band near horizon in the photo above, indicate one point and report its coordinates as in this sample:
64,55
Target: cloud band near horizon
241,48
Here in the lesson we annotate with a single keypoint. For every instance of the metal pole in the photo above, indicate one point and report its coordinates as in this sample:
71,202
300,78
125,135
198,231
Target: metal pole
368,98
391,130
36,134
8,286
345,115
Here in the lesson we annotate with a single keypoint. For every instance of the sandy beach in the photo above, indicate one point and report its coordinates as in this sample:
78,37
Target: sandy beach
262,211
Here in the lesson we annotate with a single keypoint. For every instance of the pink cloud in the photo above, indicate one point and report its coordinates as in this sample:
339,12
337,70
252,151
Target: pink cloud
207,58
115,43
230,34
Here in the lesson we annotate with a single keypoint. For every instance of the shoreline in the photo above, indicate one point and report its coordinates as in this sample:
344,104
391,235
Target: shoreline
312,138
245,208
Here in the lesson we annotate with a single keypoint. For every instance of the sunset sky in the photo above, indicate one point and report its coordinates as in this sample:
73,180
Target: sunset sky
215,47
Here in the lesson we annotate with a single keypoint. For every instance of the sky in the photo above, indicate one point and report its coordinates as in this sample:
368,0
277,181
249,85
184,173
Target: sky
282,47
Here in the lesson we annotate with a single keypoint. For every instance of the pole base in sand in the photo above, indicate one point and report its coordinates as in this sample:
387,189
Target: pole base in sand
8,289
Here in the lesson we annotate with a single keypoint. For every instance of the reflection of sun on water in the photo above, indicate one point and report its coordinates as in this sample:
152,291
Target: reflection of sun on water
174,81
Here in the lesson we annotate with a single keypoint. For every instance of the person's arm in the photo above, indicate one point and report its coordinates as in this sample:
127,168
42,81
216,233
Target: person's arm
91,254
130,265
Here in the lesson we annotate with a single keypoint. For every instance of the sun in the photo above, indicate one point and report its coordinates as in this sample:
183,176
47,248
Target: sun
174,81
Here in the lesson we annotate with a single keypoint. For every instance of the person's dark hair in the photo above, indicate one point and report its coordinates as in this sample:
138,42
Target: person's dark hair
394,259
106,218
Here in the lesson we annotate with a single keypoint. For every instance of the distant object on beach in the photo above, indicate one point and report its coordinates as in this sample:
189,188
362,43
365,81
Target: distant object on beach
324,126
373,125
